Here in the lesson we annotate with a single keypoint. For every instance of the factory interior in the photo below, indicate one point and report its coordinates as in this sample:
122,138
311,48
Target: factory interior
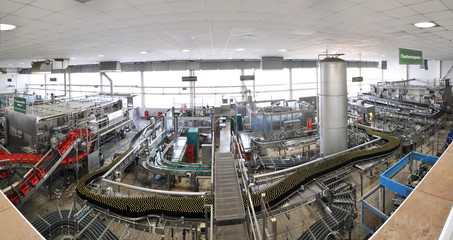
216,119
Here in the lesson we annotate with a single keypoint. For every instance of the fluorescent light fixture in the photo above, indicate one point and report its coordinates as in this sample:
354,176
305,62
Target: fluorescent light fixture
143,52
100,55
73,58
282,50
425,24
185,50
240,49
6,27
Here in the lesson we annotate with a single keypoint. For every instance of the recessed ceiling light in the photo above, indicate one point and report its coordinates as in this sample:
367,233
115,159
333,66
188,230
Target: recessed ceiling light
22,63
6,27
10,64
100,55
185,50
282,50
143,52
240,49
425,24
73,58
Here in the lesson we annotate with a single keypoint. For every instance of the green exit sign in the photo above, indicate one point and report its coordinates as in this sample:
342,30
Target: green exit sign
357,79
20,105
408,56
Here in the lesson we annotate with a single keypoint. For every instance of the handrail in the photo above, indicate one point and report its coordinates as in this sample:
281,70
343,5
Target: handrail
290,169
252,218
157,191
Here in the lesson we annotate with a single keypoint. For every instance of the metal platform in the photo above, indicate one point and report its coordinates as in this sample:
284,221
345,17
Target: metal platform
228,198
229,210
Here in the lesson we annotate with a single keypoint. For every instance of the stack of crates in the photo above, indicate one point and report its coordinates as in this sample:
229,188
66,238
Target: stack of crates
190,153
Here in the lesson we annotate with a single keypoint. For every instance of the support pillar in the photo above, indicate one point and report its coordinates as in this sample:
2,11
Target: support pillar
142,91
263,212
291,84
69,86
274,228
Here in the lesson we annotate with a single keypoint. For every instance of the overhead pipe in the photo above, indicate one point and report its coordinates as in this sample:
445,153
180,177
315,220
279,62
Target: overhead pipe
110,80
64,77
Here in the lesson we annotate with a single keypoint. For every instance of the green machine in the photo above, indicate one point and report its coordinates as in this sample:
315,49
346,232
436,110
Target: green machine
239,121
192,139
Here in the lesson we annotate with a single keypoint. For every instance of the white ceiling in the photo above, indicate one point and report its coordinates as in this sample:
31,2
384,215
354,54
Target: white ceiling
214,29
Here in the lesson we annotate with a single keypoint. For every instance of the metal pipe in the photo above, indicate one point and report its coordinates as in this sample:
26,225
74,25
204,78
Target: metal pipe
64,77
110,80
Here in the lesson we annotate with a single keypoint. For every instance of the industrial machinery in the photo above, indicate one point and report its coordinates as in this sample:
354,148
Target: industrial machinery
333,132
43,126
437,96
194,206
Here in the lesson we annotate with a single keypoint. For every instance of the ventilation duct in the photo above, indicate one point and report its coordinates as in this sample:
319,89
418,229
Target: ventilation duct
9,70
113,66
42,67
272,63
60,64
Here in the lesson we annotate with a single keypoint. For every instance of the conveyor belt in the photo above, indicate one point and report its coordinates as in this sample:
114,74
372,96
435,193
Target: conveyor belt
140,206
66,219
41,166
229,208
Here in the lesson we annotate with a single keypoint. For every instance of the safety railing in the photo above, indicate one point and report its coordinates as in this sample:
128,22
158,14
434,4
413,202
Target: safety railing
252,219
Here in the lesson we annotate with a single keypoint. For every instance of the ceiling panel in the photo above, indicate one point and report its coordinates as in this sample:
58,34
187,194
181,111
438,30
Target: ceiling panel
333,6
400,12
382,5
54,5
32,12
107,5
213,29
429,7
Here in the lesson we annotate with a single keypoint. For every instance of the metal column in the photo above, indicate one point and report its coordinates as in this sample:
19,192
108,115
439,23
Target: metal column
142,90
290,84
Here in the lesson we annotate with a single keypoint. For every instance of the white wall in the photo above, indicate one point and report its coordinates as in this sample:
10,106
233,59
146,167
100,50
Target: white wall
394,72
18,82
422,76
445,66
164,89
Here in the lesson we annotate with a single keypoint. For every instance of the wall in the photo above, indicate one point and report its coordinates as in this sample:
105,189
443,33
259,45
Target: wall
394,72
445,66
19,82
164,89
425,77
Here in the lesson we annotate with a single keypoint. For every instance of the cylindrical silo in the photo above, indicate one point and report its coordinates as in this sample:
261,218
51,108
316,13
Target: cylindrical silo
333,106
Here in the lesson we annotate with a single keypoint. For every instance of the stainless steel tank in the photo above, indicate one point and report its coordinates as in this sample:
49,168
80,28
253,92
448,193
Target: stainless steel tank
333,106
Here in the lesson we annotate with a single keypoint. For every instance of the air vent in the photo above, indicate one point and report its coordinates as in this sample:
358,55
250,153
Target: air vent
272,63
43,67
8,70
112,66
